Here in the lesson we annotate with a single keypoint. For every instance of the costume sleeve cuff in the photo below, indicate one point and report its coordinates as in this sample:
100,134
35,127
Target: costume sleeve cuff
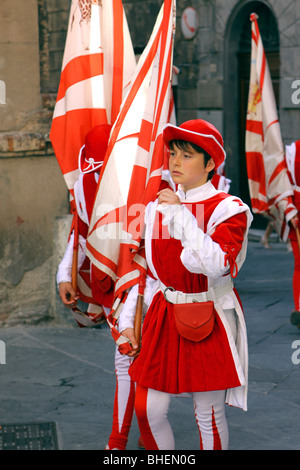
65,268
127,315
64,273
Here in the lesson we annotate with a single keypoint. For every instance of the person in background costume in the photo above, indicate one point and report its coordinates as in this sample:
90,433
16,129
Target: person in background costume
90,160
265,238
196,242
292,157
100,289
268,232
219,179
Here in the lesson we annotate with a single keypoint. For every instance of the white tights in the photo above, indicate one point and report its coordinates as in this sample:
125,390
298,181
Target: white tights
152,406
152,413
123,403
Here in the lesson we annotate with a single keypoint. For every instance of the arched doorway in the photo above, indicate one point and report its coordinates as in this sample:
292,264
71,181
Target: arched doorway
236,86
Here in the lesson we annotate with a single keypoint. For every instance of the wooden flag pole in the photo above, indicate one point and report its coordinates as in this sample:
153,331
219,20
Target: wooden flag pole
298,237
75,253
139,310
138,319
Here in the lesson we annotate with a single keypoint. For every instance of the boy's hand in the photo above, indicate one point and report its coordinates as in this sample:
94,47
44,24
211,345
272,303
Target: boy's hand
167,196
129,333
67,294
295,221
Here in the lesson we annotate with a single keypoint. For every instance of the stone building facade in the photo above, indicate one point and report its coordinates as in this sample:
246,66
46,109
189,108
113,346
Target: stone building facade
212,84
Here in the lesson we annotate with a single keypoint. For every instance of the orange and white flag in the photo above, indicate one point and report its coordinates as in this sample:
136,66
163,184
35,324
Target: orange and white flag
270,189
97,66
134,162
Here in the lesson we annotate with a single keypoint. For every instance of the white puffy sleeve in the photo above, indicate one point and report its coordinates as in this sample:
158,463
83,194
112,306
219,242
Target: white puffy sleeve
206,253
64,273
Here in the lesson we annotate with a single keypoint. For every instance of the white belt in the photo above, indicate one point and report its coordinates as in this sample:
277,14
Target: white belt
177,297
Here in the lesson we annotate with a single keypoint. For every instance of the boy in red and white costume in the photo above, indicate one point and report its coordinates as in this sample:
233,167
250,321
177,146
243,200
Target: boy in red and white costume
292,158
196,242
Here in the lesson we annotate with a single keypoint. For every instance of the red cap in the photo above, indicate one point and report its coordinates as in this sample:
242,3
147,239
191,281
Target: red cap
91,155
201,133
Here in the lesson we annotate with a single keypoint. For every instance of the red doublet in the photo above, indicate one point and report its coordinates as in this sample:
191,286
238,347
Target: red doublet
167,361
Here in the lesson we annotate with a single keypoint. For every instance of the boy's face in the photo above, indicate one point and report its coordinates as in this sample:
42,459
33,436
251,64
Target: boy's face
188,168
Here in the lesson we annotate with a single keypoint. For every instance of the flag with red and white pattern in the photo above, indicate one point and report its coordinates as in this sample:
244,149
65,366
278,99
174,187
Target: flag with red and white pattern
133,164
270,189
97,66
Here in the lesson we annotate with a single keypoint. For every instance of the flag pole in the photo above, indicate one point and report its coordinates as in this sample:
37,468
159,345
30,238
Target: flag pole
298,237
75,253
139,310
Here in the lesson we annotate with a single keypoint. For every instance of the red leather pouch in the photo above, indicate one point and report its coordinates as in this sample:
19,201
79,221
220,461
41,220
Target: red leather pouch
194,321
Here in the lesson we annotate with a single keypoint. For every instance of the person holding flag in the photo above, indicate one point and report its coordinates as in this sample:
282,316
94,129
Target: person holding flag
292,157
271,191
97,67
194,336
91,290
90,161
